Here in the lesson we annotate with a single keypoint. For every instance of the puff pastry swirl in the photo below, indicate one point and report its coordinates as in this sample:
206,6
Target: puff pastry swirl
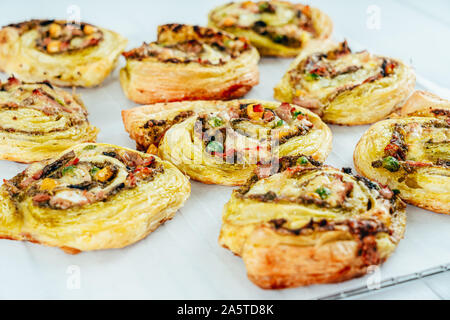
64,53
343,87
411,154
311,224
425,104
39,121
91,197
222,142
190,63
276,28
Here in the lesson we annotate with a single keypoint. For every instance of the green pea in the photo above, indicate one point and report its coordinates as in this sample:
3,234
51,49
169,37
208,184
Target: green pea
279,38
263,6
67,170
215,122
311,76
214,146
279,123
391,164
323,192
296,114
94,170
302,160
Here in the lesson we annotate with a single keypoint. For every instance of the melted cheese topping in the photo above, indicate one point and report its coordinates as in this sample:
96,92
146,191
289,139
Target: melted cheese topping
72,219
427,143
283,22
86,175
244,139
254,140
411,155
299,196
366,66
74,197
38,121
208,53
39,108
329,187
179,43
247,15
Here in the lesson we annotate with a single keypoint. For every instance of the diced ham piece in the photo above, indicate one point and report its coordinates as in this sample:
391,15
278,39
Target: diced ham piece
41,197
26,182
268,116
284,111
132,159
386,192
38,174
66,199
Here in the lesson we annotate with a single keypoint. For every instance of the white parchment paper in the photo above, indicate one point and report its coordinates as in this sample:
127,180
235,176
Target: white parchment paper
181,259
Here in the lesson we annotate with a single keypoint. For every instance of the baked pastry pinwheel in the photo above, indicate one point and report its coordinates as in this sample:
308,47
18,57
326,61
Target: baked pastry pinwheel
91,197
39,121
190,63
412,154
343,87
425,104
64,53
276,28
220,142
311,224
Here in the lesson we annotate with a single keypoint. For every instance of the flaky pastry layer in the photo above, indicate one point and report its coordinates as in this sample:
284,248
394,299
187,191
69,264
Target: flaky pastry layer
311,224
189,63
221,142
91,197
86,67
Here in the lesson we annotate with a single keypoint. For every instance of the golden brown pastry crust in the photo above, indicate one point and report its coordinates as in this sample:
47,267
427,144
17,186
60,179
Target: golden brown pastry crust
278,266
87,67
295,23
288,235
173,129
345,88
425,104
410,155
161,76
91,197
39,121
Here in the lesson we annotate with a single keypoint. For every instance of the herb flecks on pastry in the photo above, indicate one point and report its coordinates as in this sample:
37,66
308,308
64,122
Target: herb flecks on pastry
62,52
275,28
311,224
39,121
412,156
190,63
222,142
343,87
91,197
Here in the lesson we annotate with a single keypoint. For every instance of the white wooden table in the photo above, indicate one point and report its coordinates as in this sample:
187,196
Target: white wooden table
182,258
